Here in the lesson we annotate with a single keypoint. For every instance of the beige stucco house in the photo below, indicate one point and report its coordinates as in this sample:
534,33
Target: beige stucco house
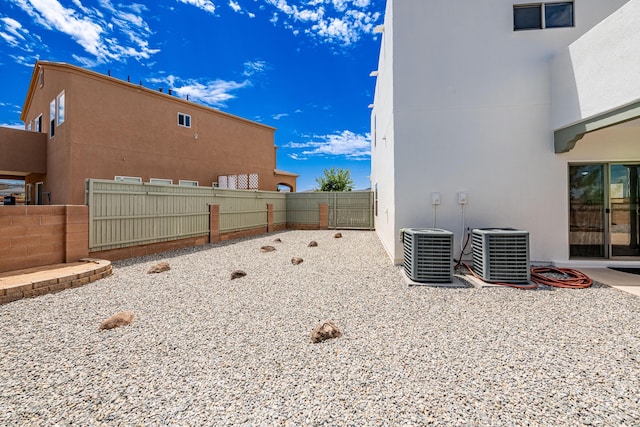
81,124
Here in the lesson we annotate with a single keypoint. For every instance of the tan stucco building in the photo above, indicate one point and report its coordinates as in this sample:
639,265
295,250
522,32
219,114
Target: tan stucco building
81,124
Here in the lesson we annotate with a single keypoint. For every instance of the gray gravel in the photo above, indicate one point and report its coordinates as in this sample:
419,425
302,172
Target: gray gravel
206,350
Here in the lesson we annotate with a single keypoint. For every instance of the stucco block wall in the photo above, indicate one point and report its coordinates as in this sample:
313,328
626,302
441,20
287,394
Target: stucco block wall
41,235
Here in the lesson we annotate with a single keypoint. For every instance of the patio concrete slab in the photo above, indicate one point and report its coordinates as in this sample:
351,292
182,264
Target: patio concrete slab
616,279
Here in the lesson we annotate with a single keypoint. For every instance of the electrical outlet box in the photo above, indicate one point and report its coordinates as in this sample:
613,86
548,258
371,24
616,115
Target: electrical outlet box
435,198
462,198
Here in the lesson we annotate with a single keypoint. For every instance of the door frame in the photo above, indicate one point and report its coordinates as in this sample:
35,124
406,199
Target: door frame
607,222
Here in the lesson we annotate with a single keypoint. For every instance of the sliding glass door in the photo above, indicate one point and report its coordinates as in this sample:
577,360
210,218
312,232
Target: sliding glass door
604,210
625,211
587,221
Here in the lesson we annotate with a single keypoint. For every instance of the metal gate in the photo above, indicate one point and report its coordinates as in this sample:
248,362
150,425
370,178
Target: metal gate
351,209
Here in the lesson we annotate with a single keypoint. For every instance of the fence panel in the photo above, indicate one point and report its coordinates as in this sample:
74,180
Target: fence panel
129,214
303,208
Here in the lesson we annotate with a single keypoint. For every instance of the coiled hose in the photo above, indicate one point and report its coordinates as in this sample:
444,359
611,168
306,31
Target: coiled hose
569,278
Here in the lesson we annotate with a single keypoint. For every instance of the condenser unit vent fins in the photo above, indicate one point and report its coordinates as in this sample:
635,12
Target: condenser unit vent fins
501,255
428,255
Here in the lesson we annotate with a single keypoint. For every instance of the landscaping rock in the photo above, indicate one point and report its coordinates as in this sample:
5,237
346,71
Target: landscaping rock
267,249
324,331
237,274
312,243
122,318
337,235
296,260
159,267
277,240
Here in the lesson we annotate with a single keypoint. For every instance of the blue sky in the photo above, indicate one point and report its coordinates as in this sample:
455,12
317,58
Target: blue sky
300,66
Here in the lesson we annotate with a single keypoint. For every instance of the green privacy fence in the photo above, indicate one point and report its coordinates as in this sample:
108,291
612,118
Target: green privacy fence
129,214
349,209
123,214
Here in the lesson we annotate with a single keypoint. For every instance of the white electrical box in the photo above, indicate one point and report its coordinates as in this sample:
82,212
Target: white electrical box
462,198
435,198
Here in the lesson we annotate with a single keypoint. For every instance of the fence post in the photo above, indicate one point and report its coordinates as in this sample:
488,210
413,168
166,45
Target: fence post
269,217
214,223
324,216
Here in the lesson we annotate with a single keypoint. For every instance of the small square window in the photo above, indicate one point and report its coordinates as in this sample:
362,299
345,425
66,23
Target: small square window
557,15
527,17
184,120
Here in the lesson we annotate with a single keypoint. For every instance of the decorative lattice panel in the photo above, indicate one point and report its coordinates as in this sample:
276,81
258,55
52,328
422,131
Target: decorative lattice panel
233,182
243,182
222,181
253,181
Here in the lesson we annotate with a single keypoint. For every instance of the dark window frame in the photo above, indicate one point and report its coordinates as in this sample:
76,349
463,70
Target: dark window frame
546,17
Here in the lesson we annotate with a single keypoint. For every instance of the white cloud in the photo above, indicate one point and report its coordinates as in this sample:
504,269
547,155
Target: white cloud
97,30
296,156
214,93
254,67
343,144
205,5
279,116
15,35
334,21
19,126
235,6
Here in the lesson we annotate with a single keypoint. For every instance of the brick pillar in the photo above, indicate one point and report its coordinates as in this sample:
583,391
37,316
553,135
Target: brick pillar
214,223
76,233
324,216
269,217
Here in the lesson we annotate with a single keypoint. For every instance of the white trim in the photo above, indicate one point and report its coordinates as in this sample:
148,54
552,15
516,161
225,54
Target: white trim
186,120
188,183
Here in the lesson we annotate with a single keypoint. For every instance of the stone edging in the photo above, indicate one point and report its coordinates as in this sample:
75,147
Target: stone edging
30,283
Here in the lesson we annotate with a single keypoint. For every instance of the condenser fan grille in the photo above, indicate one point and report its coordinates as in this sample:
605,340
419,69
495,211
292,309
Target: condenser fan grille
428,255
501,255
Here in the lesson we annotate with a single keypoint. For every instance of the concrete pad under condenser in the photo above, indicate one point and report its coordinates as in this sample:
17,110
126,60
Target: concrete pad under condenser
456,283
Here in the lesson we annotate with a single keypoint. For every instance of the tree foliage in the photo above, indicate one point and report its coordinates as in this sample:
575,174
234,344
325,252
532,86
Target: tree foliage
335,180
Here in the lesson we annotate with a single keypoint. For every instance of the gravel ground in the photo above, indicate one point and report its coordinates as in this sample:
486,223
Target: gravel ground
206,350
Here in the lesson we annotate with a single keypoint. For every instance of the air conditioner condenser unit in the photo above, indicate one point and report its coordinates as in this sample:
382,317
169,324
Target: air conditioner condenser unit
501,255
428,254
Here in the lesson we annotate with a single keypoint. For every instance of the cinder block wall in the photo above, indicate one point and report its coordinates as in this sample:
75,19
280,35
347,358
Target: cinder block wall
32,236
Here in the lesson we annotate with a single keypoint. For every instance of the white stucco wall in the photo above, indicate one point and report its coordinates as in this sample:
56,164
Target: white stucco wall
472,112
382,135
599,71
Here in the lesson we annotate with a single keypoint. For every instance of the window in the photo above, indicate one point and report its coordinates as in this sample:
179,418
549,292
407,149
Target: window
527,17
41,77
128,179
60,100
37,124
543,15
557,15
187,183
52,118
161,181
184,120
